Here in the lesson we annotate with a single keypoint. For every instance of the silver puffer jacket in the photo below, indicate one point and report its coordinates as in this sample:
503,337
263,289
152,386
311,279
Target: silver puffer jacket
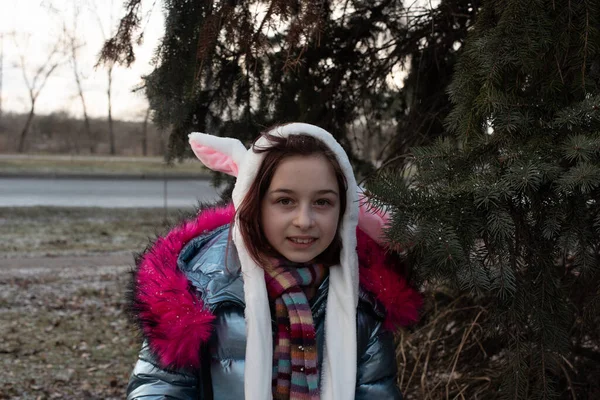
211,269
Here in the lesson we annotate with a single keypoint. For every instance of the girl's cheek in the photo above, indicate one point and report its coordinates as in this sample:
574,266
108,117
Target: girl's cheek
273,210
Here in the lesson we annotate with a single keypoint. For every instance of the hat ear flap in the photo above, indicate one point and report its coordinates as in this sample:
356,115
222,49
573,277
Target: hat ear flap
371,220
218,153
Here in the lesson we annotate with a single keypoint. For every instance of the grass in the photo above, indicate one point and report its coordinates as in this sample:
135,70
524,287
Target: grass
58,231
65,331
49,164
65,334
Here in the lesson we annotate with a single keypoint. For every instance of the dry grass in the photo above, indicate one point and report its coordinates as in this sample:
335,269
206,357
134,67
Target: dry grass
58,231
456,354
65,334
444,358
50,164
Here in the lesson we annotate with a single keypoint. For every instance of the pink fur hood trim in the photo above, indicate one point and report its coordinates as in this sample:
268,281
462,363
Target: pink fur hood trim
175,323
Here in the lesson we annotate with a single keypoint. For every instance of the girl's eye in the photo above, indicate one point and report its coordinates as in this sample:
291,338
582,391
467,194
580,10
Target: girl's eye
323,202
284,201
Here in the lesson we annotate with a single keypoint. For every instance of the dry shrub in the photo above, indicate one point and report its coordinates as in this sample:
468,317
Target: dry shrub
458,352
445,357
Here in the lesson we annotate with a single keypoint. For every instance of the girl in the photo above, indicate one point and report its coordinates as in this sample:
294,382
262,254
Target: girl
285,294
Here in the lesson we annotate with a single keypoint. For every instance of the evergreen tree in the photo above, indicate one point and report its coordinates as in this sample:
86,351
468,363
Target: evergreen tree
507,205
224,68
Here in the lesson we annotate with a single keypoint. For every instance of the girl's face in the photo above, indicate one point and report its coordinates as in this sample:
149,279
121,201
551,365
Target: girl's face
301,208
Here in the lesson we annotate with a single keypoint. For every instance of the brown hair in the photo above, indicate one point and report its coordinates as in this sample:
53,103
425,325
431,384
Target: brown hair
249,212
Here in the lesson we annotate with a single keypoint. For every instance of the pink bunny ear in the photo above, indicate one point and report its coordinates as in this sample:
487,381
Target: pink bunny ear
217,153
370,220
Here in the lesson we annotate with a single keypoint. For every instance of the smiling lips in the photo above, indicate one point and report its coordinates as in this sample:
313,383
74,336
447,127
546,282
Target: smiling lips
298,240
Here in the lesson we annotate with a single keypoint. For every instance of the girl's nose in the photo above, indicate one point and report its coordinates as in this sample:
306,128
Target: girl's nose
304,218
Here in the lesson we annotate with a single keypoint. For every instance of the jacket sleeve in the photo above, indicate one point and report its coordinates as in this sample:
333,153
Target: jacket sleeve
150,382
377,369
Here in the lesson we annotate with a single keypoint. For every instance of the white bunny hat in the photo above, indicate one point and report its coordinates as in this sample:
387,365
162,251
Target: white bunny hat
338,373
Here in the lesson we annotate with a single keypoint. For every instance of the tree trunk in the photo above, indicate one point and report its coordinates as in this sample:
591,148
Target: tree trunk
88,129
145,134
111,133
25,130
86,119
162,142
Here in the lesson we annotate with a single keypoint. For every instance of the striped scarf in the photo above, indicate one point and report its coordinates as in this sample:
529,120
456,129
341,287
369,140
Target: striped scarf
295,374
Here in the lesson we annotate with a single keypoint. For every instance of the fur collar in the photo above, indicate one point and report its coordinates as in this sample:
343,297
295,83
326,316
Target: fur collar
175,323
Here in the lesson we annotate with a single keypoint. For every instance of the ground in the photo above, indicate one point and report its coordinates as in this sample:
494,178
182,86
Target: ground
63,323
65,332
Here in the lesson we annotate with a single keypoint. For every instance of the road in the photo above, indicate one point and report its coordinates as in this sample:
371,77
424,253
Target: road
117,193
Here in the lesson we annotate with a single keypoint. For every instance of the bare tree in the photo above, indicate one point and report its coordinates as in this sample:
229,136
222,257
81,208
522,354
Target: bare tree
1,70
35,84
73,46
109,72
111,132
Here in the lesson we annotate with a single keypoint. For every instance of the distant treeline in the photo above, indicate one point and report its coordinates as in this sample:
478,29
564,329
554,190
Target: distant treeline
61,133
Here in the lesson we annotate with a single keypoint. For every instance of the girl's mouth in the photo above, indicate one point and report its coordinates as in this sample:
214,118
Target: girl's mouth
301,240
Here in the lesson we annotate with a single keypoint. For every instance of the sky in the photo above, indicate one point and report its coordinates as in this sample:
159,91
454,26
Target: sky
30,28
